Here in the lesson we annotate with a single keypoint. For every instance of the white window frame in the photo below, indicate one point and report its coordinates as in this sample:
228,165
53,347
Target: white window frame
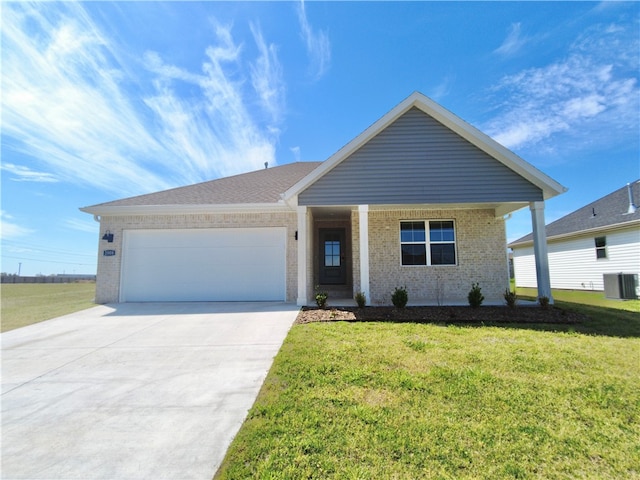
427,242
602,248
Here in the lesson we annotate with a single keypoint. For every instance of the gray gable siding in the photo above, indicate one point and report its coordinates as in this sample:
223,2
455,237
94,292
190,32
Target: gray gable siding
418,160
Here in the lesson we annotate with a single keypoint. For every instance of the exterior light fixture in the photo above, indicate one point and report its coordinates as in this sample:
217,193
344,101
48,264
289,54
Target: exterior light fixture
108,236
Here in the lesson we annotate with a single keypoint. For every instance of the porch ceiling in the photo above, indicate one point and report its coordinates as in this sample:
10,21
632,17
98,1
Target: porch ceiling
333,212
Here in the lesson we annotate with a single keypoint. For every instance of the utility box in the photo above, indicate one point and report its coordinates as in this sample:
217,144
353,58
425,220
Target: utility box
620,285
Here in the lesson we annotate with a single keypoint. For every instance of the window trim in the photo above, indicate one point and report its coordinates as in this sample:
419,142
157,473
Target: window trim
427,242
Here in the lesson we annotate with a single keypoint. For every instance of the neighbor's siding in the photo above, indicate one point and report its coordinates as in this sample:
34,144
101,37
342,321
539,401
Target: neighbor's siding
573,264
418,160
481,248
109,268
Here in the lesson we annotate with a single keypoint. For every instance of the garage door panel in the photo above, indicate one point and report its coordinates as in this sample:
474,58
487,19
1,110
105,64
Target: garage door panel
235,264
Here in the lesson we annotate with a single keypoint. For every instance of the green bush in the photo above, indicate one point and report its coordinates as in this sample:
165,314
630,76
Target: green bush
511,298
321,298
400,297
475,296
361,299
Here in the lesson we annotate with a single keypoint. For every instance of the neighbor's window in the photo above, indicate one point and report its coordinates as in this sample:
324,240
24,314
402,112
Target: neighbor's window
601,247
438,248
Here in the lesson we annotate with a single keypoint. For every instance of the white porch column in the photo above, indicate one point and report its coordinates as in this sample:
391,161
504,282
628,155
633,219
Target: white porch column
303,236
363,218
540,250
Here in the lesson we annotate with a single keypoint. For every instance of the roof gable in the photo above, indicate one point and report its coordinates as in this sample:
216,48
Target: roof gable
418,160
547,185
606,212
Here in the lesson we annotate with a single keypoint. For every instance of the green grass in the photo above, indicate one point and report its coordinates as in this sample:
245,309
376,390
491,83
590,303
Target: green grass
584,298
606,316
375,400
24,304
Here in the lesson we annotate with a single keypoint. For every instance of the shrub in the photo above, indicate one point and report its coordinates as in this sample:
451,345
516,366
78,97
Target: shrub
321,298
475,296
361,299
544,301
510,297
400,297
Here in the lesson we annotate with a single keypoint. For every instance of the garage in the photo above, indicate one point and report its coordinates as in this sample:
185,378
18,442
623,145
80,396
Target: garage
211,265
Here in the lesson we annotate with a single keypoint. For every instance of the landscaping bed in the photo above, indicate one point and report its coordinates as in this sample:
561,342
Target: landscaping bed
456,314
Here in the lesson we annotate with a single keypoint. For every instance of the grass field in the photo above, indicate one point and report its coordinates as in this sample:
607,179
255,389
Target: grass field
596,299
24,304
406,401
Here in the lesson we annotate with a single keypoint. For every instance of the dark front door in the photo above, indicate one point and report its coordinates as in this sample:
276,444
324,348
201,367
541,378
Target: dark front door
333,269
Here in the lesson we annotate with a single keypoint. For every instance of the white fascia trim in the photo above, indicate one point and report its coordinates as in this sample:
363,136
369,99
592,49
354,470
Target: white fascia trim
581,233
186,209
549,187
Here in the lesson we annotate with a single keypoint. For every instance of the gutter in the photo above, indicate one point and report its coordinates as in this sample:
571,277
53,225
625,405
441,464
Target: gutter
185,209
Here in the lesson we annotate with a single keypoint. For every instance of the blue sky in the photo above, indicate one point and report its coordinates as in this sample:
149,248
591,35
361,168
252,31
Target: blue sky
105,100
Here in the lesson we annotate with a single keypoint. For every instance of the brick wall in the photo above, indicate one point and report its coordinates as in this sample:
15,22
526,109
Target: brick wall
481,257
108,277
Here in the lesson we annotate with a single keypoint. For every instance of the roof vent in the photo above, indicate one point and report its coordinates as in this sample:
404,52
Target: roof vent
632,207
266,165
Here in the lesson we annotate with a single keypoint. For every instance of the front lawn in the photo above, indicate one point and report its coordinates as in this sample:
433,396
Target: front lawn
584,297
373,400
27,303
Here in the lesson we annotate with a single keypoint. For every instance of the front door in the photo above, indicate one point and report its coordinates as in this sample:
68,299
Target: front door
333,269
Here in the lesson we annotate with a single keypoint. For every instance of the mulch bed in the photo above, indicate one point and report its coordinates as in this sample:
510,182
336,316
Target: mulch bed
455,315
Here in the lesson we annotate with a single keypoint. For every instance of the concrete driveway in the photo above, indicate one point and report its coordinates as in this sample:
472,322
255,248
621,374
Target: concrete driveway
134,390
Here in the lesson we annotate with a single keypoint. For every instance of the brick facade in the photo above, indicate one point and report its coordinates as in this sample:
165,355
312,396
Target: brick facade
481,257
480,243
108,277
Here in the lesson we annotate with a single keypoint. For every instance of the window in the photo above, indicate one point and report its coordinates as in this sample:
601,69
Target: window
601,247
439,248
413,243
332,251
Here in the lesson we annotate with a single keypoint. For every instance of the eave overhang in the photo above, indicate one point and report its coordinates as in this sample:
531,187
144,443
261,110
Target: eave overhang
185,209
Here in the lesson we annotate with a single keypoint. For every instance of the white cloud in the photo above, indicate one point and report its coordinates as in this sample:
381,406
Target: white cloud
71,101
513,42
63,101
9,229
266,78
443,88
589,96
296,153
25,174
317,43
229,138
88,226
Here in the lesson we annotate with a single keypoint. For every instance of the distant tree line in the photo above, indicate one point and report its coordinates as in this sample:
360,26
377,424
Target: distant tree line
55,278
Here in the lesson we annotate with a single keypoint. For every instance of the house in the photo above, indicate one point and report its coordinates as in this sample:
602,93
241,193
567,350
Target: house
599,239
418,200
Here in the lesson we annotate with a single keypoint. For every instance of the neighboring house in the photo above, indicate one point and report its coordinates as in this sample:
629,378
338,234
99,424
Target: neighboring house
600,238
417,200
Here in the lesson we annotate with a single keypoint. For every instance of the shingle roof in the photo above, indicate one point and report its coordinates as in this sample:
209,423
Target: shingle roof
605,212
258,187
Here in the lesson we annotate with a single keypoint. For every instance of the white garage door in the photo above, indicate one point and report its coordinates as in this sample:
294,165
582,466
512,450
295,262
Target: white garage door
223,264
